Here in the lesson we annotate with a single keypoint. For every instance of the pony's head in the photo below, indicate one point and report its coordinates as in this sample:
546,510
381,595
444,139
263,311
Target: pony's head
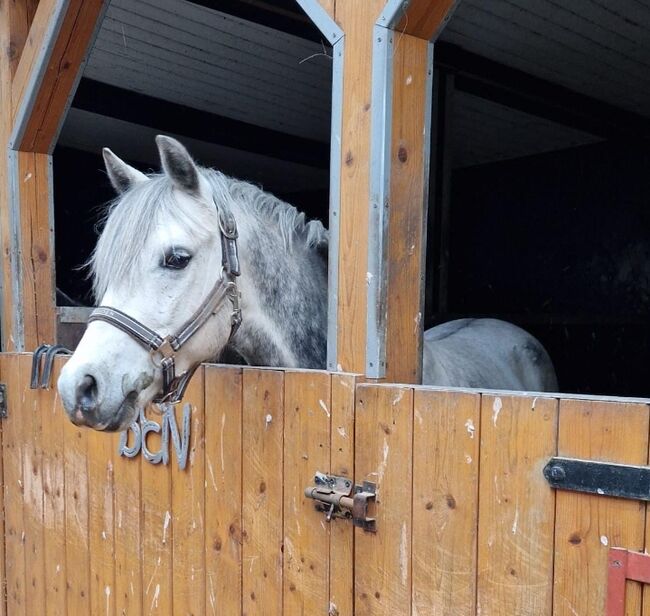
158,257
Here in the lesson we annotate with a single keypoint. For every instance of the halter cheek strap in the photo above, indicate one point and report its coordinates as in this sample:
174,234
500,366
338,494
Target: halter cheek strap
165,348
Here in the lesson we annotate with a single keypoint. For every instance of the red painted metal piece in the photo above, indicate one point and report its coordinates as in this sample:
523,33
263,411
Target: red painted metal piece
623,565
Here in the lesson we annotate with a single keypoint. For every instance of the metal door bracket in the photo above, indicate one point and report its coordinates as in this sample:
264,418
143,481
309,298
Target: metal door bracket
602,478
339,497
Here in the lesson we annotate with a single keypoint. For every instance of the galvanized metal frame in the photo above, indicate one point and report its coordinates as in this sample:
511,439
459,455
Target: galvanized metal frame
380,173
331,31
378,217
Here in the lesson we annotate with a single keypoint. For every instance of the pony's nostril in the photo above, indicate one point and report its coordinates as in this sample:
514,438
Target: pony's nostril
87,393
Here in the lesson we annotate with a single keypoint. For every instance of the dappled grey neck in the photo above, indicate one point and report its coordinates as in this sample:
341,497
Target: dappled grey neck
284,263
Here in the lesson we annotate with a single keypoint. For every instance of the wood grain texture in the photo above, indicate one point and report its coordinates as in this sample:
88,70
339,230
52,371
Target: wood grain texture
76,493
517,507
306,540
13,488
13,32
356,19
262,496
32,437
383,454
341,552
101,514
129,536
408,206
61,70
587,525
223,489
188,507
157,531
446,437
3,573
37,249
425,19
53,419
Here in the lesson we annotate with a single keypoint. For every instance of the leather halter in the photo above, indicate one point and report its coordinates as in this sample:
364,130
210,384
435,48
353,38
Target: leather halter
165,348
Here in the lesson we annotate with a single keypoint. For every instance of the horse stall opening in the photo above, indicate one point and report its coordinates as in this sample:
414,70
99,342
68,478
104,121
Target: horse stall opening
466,523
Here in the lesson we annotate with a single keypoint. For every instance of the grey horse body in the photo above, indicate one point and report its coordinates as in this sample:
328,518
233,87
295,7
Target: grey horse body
290,280
487,354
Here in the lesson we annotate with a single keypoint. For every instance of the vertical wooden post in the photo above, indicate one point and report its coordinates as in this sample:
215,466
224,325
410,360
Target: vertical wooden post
43,46
385,104
15,20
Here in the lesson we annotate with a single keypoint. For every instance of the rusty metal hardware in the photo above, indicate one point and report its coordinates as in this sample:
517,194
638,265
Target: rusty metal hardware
3,401
339,497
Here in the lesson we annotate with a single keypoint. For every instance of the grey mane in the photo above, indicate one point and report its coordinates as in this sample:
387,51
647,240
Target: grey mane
133,216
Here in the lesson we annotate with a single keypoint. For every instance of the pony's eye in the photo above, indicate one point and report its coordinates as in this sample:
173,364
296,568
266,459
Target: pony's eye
176,259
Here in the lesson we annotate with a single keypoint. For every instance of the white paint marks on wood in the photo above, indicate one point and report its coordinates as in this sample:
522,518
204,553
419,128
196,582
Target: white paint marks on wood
324,407
403,555
223,425
469,426
604,540
496,409
168,519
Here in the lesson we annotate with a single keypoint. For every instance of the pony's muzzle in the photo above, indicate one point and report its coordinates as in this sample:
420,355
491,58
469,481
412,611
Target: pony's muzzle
86,402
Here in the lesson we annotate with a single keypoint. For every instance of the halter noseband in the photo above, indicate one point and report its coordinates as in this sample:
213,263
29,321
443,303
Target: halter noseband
174,386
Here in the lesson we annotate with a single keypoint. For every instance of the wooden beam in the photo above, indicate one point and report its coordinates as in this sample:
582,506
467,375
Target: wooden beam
15,20
425,19
408,209
357,21
43,49
49,68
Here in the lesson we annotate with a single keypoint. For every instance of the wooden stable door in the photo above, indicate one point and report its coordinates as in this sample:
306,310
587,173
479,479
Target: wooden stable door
465,521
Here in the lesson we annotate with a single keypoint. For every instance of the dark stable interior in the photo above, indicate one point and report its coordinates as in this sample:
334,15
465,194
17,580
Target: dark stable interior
556,243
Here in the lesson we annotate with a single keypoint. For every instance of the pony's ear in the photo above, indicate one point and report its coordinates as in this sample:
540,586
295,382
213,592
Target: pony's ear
122,176
178,164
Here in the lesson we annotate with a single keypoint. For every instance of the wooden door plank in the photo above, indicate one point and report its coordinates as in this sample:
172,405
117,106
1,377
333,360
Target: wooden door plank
446,437
306,535
101,486
341,552
77,569
586,526
157,529
262,499
128,535
32,403
384,455
188,507
223,497
12,453
53,417
517,507
3,571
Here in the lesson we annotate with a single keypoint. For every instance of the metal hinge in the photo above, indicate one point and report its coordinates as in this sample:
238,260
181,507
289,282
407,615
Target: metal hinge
3,401
339,497
603,478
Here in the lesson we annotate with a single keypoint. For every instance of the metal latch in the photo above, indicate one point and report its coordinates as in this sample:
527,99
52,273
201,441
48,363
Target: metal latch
339,497
3,401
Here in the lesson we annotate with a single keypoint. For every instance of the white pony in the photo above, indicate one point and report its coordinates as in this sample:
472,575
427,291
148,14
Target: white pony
158,264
